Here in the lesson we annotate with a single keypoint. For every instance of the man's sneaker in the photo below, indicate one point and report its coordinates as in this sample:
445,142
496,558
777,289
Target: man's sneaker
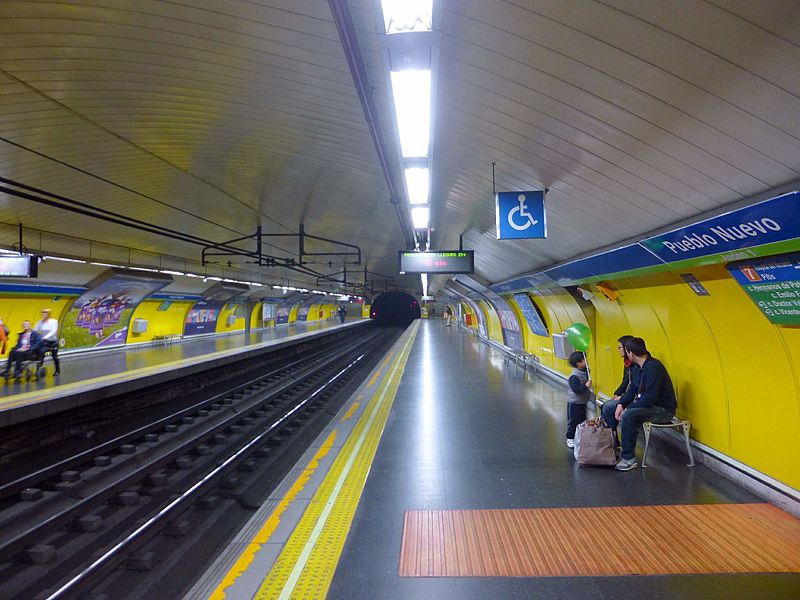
570,443
626,464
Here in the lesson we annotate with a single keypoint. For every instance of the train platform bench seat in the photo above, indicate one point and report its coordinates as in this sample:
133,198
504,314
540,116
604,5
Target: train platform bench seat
168,339
682,424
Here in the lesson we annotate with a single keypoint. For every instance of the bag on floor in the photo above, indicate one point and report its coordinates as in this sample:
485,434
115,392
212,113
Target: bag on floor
594,444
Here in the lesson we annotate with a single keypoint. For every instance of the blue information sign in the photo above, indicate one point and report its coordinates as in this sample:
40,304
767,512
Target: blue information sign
773,284
520,215
773,220
531,315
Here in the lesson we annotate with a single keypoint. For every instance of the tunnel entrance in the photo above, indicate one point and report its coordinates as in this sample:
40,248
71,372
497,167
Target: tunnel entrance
392,309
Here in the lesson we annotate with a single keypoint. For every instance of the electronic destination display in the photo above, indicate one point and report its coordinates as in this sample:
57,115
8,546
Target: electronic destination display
19,266
773,284
442,261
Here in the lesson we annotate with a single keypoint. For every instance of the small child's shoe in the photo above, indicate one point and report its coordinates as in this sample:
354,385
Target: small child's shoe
570,443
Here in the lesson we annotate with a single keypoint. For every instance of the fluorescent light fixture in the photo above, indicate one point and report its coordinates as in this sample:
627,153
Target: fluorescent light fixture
143,269
97,264
420,217
72,260
167,272
401,16
214,278
256,284
412,103
418,182
424,277
194,275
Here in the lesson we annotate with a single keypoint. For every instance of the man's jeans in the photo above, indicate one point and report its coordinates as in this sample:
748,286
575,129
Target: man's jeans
632,420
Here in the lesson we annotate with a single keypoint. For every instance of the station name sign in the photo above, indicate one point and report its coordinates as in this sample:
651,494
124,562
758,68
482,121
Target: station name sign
774,220
442,261
19,266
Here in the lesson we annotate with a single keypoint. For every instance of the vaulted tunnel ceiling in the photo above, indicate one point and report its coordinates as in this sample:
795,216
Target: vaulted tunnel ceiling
214,117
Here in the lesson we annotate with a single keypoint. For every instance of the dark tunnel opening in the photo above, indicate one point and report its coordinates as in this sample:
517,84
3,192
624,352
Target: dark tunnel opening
392,309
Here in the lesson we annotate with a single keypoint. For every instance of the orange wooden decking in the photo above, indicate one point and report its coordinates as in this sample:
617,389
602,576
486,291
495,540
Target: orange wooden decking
647,540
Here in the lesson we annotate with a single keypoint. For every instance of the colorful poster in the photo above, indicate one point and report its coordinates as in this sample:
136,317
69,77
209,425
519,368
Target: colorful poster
531,315
509,324
202,317
283,312
100,316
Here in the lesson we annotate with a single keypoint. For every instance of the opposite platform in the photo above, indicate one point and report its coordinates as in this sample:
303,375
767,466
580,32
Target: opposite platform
92,376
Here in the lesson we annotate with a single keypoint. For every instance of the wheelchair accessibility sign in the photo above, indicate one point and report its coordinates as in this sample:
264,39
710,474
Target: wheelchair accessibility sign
520,215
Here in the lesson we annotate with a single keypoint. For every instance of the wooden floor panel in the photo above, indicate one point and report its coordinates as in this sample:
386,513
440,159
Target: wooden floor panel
624,540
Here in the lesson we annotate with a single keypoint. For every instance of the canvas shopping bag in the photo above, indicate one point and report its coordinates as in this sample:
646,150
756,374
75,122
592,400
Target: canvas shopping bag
596,445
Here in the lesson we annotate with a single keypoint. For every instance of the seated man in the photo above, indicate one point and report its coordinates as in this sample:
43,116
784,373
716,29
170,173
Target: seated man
630,373
652,400
26,349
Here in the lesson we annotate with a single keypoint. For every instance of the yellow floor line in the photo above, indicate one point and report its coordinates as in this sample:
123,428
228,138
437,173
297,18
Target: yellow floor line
306,566
271,524
379,372
350,411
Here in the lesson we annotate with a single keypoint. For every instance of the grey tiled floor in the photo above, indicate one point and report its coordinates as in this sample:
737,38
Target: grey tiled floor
466,432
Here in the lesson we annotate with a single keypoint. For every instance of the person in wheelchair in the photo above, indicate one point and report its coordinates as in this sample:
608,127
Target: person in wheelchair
28,348
47,329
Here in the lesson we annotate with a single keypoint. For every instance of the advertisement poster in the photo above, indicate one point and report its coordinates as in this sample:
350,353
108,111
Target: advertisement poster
100,316
512,336
305,308
531,315
202,317
283,312
269,311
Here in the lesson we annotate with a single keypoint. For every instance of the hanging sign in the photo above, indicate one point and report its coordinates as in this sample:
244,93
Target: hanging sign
520,215
443,261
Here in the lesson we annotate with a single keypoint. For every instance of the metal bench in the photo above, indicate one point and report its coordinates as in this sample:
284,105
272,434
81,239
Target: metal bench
520,358
676,423
168,339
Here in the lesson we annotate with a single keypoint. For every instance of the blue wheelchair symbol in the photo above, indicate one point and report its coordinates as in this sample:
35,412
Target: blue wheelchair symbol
522,209
520,215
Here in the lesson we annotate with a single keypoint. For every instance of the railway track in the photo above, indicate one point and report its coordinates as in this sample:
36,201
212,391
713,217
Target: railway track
120,508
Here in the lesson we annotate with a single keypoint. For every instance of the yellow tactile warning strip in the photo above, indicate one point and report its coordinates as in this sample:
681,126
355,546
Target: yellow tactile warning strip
274,520
307,563
568,542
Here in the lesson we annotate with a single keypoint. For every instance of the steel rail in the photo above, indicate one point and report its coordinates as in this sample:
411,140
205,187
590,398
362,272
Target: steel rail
190,493
107,490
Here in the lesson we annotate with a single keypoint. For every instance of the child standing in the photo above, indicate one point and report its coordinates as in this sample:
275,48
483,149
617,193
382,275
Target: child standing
577,395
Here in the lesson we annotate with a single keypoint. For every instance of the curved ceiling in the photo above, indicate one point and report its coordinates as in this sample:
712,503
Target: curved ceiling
214,117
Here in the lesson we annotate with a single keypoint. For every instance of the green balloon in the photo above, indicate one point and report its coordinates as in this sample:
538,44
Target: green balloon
580,336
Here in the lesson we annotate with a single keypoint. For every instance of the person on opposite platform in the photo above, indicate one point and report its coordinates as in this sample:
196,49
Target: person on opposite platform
28,343
653,400
630,368
3,337
47,328
577,395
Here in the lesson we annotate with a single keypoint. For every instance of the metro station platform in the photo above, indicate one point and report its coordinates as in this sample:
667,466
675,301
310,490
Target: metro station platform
446,476
89,376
